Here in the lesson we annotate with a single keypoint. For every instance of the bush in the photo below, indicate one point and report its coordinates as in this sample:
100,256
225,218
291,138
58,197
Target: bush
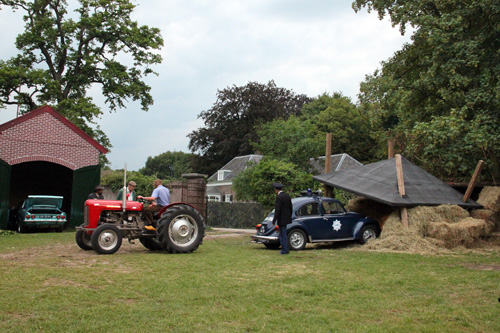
235,215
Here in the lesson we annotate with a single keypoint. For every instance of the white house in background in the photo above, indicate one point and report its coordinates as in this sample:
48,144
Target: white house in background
220,184
339,162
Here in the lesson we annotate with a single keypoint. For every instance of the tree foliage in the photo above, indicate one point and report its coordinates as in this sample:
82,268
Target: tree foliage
255,183
114,180
294,140
439,96
230,124
300,138
168,165
63,55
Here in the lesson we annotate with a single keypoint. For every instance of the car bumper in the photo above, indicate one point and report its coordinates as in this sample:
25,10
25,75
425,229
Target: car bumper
264,239
48,223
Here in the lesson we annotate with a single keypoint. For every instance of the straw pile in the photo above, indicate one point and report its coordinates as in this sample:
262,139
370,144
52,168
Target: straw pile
395,237
437,229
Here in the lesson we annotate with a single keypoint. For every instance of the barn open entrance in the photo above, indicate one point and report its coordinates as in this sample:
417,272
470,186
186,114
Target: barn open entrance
40,178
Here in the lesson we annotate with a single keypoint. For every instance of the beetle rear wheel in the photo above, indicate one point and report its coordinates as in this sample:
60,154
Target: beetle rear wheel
297,240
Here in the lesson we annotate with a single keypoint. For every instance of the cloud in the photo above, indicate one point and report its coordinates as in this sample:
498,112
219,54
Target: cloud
310,47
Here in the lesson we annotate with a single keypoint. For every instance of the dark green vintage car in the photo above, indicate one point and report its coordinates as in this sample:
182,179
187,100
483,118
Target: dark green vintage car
41,211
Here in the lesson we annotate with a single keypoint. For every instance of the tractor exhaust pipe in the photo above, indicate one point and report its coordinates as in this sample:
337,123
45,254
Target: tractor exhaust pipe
124,191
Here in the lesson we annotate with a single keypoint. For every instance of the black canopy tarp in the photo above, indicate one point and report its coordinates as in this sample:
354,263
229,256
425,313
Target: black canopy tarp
378,181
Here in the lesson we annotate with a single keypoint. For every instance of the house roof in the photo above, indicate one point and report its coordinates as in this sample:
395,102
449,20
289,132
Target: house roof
66,122
236,166
339,162
378,181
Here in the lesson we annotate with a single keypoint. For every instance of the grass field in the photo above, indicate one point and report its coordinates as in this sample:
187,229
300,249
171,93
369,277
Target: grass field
229,284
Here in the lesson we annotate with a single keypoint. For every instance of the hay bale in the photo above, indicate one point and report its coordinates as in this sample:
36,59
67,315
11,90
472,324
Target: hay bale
367,207
442,213
487,215
462,233
490,198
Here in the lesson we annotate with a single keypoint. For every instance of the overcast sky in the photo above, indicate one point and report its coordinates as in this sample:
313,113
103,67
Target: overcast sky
308,46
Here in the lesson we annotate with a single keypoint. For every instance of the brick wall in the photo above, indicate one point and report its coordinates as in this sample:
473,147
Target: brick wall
46,138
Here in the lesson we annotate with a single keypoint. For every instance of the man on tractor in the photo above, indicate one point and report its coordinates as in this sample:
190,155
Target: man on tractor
159,198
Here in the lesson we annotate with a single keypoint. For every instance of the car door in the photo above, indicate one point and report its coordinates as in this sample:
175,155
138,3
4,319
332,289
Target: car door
309,215
340,224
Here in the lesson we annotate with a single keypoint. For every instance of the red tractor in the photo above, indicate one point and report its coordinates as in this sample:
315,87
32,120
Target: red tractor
179,227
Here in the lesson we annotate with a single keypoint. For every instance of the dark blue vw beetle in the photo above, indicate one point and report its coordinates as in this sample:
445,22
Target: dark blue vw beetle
318,219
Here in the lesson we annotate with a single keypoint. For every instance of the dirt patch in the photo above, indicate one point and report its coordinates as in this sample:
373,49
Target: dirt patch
483,267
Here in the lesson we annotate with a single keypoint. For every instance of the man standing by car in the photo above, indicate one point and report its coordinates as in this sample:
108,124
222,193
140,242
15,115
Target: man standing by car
159,199
282,215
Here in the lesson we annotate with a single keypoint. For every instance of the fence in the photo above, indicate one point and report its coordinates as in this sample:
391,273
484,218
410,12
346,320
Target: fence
241,215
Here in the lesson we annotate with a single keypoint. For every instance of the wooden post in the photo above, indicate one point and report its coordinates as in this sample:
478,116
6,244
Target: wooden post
390,148
401,189
328,163
328,153
473,181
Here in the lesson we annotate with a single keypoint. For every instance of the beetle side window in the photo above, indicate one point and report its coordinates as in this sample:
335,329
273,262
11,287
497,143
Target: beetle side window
332,207
308,209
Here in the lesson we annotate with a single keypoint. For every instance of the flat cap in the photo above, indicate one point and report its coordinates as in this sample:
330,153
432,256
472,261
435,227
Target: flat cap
278,186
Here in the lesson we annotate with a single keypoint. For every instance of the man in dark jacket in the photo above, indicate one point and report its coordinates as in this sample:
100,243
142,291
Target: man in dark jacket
97,194
282,215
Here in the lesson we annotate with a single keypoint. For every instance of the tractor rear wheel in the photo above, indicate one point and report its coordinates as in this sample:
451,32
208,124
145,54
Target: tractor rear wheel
181,229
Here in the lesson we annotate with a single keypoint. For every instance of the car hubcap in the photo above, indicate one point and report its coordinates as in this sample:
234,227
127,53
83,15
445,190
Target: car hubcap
368,234
296,240
183,230
108,240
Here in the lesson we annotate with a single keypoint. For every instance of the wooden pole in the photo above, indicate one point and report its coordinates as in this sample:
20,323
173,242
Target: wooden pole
473,181
401,180
390,148
328,153
401,189
328,163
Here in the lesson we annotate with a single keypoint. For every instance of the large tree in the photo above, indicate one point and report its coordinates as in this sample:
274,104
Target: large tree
63,55
439,96
230,125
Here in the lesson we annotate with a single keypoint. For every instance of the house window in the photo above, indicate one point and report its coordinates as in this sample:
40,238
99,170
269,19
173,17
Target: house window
228,198
222,174
214,198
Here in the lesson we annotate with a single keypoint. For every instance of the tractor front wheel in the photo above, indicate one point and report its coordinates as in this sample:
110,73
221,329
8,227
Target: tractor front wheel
106,239
83,240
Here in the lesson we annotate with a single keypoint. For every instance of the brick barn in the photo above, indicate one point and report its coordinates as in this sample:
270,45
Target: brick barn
44,153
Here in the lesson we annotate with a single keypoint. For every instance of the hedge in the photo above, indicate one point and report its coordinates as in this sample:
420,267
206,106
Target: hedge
242,215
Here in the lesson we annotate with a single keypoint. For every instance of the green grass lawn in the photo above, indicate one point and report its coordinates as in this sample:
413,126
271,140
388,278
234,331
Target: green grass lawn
228,284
